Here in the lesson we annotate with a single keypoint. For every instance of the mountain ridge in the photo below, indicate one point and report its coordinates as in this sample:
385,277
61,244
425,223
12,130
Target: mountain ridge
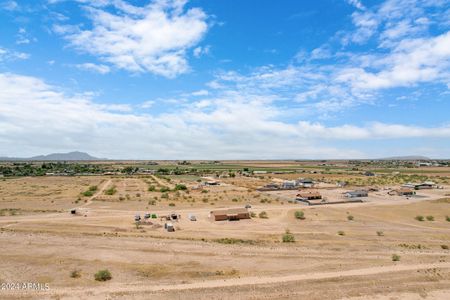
68,156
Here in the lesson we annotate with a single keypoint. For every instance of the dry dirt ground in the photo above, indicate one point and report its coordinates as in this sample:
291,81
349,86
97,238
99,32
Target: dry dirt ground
42,242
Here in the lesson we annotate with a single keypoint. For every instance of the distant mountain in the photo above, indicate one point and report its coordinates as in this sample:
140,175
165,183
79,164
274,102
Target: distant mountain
72,156
411,157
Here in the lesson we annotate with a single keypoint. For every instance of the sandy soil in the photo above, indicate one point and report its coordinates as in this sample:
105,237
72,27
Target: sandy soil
195,262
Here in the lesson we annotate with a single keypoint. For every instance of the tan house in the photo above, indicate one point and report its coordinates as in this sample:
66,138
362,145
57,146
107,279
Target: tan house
229,214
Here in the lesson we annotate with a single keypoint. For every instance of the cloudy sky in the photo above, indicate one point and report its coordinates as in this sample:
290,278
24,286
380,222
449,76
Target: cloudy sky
225,79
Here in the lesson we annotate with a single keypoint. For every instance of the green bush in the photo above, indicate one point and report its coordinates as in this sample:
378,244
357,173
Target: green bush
395,257
447,218
103,275
263,215
164,189
88,193
420,218
288,237
180,187
299,215
430,218
152,188
111,191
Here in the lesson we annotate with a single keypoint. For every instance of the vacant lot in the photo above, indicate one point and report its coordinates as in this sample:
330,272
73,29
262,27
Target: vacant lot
340,251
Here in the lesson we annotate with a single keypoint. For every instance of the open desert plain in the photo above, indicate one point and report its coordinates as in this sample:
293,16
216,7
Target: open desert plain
58,230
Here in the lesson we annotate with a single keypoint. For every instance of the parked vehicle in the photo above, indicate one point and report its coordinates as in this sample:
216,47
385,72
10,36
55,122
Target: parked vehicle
192,217
137,218
248,206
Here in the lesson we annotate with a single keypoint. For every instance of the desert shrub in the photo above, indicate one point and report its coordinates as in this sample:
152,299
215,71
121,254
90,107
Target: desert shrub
340,232
171,204
253,214
138,195
121,198
395,257
288,237
152,188
380,233
164,189
263,215
234,200
103,275
165,196
231,241
445,247
93,188
420,218
111,191
447,218
75,274
204,191
350,217
88,193
299,215
430,218
180,187
152,202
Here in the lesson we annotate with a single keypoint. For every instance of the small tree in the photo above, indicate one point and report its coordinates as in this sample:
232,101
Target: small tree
103,275
288,237
395,257
299,215
430,218
420,218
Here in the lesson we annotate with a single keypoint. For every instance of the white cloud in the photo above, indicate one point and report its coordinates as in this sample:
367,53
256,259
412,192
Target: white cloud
200,51
101,69
411,62
11,55
38,118
147,104
356,3
152,39
200,93
10,5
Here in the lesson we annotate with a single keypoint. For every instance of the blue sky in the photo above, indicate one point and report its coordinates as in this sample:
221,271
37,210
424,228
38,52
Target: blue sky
176,79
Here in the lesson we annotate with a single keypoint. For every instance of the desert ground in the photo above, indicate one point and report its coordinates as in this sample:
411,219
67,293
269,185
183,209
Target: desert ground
341,251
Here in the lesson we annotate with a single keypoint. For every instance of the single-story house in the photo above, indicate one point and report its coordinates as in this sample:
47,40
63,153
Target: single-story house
402,192
229,214
308,196
357,194
305,182
288,184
